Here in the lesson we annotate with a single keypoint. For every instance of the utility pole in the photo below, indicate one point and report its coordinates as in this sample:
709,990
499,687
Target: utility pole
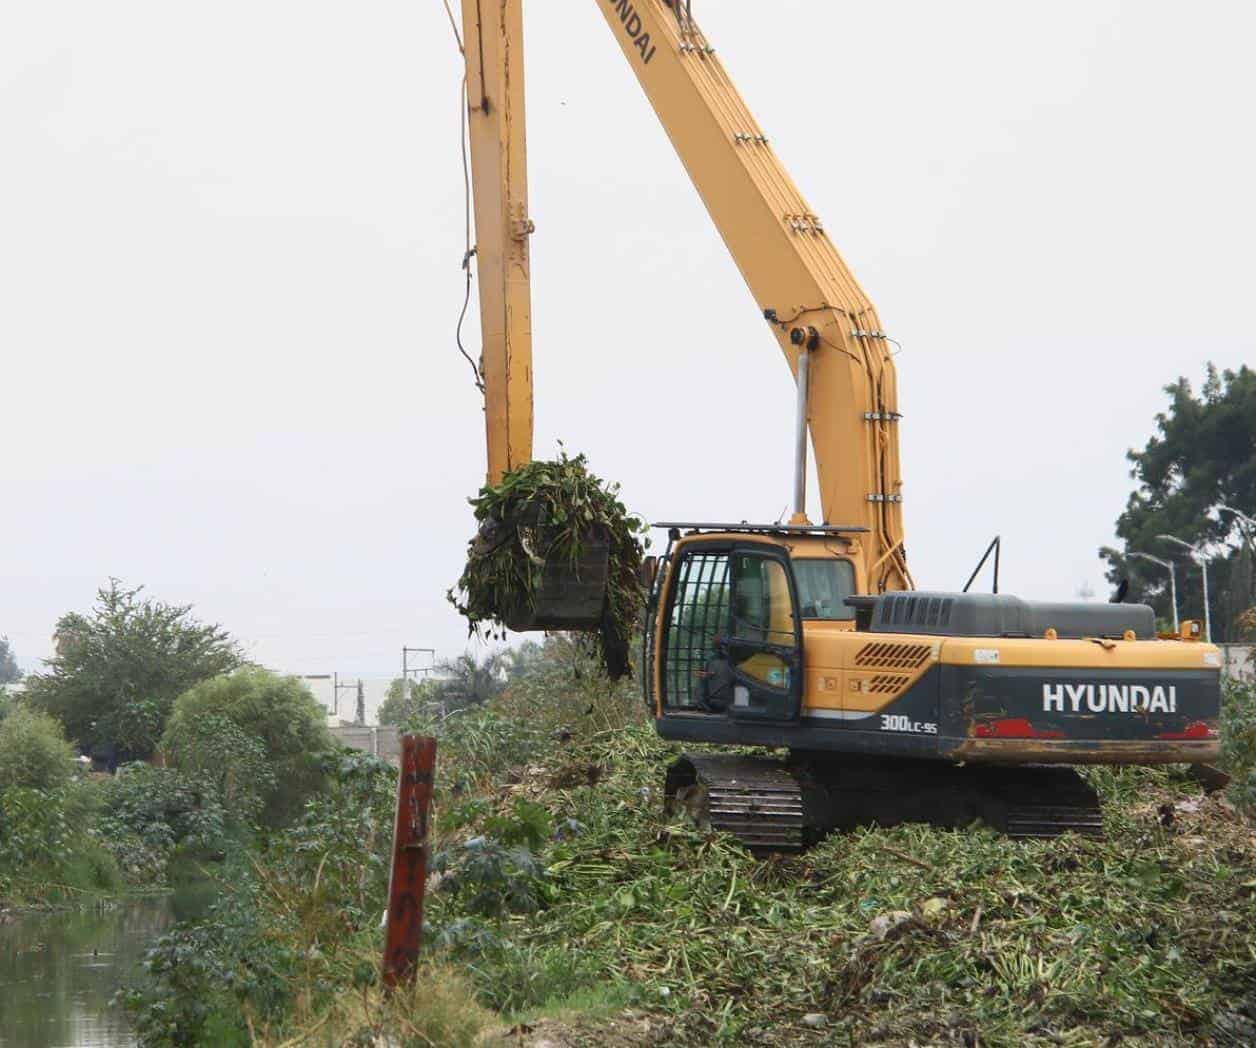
337,687
406,669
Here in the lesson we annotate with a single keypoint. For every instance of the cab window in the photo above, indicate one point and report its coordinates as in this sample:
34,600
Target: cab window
762,609
823,586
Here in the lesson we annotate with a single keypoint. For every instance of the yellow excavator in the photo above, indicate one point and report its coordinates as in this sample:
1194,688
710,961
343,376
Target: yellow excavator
893,704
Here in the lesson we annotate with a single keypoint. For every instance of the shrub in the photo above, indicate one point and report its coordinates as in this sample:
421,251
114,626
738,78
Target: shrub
151,810
185,996
1238,741
278,712
215,751
44,852
333,862
491,879
33,752
479,741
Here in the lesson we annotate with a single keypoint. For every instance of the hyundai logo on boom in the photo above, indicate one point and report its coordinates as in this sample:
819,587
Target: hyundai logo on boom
633,27
1108,698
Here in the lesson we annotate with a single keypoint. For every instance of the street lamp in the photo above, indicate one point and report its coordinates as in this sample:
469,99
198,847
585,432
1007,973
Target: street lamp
1249,523
1197,552
1172,569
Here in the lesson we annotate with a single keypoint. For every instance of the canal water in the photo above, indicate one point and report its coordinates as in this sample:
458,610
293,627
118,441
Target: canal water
59,971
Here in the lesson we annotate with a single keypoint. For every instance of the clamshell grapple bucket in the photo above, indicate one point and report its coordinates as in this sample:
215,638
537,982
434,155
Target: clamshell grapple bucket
570,595
569,592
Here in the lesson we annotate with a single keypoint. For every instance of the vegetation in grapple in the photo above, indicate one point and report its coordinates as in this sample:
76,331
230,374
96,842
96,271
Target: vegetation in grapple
546,512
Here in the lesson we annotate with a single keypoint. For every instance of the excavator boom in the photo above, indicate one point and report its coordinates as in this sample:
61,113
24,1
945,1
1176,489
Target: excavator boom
807,297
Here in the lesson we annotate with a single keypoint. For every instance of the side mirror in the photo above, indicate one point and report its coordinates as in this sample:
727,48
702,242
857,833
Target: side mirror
649,570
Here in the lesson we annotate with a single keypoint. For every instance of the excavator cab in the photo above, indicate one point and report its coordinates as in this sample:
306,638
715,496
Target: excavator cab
724,630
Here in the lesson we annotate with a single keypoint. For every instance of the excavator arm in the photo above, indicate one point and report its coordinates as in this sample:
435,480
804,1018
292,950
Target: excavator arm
808,298
493,49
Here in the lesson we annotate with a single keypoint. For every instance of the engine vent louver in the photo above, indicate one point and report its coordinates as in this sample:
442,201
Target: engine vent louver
893,656
887,683
1000,615
913,610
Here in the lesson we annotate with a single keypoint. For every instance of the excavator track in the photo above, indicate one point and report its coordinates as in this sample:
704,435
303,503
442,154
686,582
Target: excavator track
755,799
1045,801
769,805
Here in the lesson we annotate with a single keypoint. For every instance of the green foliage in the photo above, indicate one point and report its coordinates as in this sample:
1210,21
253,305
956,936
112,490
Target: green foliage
48,852
335,857
118,670
34,828
9,671
480,740
278,712
499,873
33,752
692,919
468,681
545,511
404,701
283,933
439,1009
527,977
561,684
1238,741
527,825
1203,455
197,976
213,749
562,884
162,808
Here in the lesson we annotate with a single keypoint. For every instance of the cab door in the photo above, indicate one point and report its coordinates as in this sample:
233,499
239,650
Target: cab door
762,649
730,641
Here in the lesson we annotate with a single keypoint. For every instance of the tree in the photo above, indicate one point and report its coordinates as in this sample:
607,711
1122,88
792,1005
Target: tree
118,670
466,681
33,752
9,671
404,700
1202,456
279,712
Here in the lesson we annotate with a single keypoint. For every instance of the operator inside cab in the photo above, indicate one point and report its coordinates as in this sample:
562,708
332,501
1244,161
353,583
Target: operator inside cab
823,586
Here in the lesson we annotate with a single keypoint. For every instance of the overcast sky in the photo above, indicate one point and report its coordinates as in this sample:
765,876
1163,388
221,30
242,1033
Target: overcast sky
230,238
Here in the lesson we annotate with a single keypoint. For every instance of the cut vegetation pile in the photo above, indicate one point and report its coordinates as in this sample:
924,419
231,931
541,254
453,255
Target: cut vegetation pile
549,512
907,935
565,902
